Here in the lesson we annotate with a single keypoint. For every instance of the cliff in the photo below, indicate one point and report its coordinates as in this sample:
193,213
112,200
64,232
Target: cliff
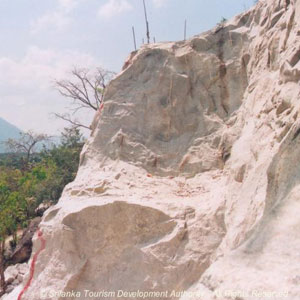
190,179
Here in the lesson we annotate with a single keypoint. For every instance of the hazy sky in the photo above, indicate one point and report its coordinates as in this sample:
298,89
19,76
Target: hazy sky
41,40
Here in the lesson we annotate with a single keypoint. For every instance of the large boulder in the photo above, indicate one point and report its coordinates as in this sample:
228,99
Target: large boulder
189,184
14,276
23,249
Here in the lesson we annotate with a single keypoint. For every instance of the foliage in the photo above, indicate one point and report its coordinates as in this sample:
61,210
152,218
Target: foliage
48,171
23,189
222,21
43,179
25,146
60,164
12,214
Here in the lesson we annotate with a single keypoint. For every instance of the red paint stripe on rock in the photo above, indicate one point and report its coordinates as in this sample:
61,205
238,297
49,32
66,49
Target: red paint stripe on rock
32,266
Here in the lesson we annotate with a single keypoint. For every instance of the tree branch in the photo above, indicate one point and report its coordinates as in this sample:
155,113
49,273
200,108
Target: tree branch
74,122
86,89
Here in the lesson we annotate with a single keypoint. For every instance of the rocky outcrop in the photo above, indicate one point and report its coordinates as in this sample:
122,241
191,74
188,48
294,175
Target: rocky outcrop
23,250
14,276
189,181
40,210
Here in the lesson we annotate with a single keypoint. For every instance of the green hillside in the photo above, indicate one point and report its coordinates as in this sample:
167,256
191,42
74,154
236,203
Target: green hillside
7,131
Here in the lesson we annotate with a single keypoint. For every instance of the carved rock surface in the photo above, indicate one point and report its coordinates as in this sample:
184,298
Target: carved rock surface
190,180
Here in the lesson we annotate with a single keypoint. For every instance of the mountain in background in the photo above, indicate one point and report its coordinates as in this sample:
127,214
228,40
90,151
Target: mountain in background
7,131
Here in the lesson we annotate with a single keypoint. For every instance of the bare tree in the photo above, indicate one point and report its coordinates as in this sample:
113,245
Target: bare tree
26,144
85,90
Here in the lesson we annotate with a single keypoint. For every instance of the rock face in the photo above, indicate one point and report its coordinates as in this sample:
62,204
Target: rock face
190,179
24,248
14,276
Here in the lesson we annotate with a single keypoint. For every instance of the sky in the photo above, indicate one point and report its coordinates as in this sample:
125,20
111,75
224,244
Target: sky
42,40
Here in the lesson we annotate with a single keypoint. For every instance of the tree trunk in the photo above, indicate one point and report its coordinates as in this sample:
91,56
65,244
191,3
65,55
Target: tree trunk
2,266
15,238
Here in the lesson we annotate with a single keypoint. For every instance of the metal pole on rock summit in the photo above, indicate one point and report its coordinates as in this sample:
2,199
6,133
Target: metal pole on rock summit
147,23
133,33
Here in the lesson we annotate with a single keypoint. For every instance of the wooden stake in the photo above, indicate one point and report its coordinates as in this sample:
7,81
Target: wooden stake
134,41
147,23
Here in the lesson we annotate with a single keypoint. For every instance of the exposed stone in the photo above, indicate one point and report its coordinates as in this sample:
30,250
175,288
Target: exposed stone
42,208
23,250
11,274
9,289
22,268
190,179
20,278
14,276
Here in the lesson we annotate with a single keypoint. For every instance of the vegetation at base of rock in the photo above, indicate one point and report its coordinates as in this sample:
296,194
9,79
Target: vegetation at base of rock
12,216
23,187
